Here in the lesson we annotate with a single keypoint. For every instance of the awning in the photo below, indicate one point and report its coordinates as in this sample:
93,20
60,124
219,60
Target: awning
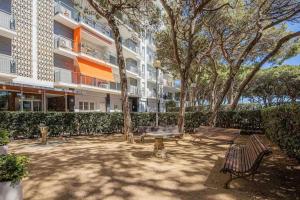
95,70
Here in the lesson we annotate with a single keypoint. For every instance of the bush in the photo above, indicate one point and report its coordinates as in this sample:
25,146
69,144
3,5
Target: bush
282,126
26,124
246,120
13,168
4,137
170,104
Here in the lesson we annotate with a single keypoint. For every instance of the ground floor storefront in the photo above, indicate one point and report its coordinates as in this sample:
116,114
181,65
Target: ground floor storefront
26,98
37,99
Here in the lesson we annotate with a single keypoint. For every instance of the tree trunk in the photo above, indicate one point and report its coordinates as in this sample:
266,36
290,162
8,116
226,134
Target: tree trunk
242,87
181,113
220,99
213,92
123,77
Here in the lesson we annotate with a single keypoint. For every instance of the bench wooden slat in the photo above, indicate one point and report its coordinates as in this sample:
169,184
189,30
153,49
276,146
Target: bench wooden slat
244,160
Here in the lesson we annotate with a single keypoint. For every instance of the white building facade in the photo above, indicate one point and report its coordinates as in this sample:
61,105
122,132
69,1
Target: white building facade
55,58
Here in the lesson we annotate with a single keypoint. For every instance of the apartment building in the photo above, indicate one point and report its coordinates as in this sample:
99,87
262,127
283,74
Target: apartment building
55,58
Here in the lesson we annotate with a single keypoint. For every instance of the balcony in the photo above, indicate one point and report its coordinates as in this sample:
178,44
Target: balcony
133,69
70,79
168,83
97,54
151,94
64,46
133,90
97,25
7,25
64,76
128,43
8,69
65,14
151,76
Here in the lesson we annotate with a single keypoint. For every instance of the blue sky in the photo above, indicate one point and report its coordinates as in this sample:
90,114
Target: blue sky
294,60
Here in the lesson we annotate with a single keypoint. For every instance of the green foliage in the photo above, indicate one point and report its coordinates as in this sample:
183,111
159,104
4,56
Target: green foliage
170,104
275,85
282,126
26,124
4,137
13,168
246,120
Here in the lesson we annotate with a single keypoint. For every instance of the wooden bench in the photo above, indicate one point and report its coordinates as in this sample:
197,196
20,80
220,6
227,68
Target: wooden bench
243,160
144,130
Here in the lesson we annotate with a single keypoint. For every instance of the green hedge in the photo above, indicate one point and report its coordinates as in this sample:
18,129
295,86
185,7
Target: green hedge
282,126
26,124
247,120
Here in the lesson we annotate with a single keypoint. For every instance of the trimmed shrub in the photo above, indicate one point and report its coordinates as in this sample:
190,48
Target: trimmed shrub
282,126
246,120
13,168
26,124
4,137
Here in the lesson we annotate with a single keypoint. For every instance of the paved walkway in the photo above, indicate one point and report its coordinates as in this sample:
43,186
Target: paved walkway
92,168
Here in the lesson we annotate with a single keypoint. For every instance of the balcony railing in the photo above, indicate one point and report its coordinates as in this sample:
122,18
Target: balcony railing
133,69
63,42
151,94
63,75
151,75
129,44
69,77
133,90
67,11
88,49
7,64
97,25
7,20
168,83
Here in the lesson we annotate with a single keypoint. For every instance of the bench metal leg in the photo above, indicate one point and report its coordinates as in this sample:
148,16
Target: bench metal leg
227,184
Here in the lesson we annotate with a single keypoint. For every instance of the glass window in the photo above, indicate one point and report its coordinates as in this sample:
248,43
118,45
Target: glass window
86,105
26,105
92,106
3,100
80,105
37,106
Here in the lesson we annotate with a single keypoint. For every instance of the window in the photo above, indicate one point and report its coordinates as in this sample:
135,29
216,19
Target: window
80,105
92,106
86,106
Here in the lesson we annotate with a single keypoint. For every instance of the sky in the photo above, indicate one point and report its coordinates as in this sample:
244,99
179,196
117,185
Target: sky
294,60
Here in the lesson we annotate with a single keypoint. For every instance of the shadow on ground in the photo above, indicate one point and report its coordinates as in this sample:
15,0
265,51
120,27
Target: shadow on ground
106,168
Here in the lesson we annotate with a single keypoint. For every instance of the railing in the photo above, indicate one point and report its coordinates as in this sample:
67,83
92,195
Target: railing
70,77
97,25
63,42
133,69
7,64
67,11
88,49
133,90
129,44
113,60
168,83
64,75
151,75
151,94
7,20
115,86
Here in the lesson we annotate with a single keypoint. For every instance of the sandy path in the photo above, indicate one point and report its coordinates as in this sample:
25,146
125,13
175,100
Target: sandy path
107,168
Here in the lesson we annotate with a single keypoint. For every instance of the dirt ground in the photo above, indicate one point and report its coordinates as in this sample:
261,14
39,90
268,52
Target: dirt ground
108,168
